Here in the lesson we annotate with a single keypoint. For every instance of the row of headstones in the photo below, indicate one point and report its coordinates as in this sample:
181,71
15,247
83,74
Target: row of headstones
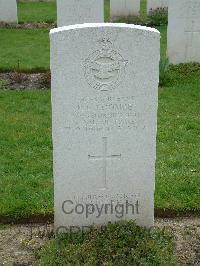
132,7
8,8
183,27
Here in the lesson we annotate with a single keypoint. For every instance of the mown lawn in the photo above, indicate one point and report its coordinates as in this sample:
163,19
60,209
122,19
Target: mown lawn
26,184
37,12
30,48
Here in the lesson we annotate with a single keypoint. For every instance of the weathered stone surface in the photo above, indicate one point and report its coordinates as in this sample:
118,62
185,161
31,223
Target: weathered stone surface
8,11
184,31
125,8
104,106
79,11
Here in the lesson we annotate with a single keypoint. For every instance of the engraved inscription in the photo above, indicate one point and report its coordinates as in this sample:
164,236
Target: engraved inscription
105,197
194,8
105,113
104,158
105,67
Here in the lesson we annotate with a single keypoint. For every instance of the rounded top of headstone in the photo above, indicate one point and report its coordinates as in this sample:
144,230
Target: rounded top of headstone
103,25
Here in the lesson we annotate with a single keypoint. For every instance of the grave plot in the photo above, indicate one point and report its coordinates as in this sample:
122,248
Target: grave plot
26,172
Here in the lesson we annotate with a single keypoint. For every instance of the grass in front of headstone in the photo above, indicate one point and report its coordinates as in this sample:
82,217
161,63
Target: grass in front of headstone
115,244
178,142
26,184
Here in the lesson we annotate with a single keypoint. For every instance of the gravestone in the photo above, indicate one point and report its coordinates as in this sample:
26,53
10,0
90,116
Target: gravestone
119,8
184,31
79,11
104,107
154,4
8,11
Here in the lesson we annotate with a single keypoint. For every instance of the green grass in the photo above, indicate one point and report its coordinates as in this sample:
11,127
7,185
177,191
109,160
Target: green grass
178,160
29,48
143,8
26,184
25,160
37,12
116,244
107,10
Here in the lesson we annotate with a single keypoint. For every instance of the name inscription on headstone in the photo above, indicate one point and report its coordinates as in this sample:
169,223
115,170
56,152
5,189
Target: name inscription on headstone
104,113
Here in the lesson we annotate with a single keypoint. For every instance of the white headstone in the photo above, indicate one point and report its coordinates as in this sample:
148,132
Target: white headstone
8,11
104,107
120,8
154,4
184,31
71,12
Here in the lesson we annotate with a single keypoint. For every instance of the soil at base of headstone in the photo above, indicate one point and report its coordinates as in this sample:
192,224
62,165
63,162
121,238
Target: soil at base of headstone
28,25
24,81
18,243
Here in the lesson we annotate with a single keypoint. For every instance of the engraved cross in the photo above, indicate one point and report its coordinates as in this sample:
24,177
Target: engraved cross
104,158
